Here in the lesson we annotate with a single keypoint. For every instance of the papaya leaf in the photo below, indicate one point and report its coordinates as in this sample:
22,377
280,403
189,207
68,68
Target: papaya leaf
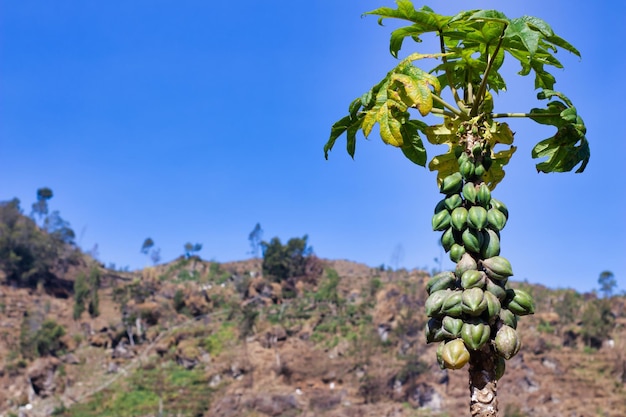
445,164
349,124
569,146
445,133
413,147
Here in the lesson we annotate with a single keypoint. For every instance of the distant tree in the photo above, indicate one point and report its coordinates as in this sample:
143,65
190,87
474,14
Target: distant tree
147,245
40,207
86,292
190,249
597,322
607,283
147,248
81,293
281,262
255,238
28,253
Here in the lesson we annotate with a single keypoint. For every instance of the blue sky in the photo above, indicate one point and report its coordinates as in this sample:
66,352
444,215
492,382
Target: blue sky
194,120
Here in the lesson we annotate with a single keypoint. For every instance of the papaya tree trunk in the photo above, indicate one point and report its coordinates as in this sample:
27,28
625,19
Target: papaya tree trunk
483,383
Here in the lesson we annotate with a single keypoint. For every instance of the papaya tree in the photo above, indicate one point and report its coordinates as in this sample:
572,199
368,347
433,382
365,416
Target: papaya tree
472,311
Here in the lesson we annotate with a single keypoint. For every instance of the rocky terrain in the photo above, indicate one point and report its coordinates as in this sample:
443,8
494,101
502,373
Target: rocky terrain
198,338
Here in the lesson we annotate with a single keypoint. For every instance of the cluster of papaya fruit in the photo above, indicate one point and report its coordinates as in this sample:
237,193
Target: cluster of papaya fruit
472,306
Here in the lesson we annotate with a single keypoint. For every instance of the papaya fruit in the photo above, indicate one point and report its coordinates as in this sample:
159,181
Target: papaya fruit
469,192
507,342
466,263
473,278
447,239
441,220
435,301
497,267
442,281
452,184
473,301
458,218
491,244
475,335
493,307
497,204
483,196
467,169
434,331
477,217
452,304
472,240
508,317
520,302
479,170
456,252
496,289
453,201
452,327
496,219
454,354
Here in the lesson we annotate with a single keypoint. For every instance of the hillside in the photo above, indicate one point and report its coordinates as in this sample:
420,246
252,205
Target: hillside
197,338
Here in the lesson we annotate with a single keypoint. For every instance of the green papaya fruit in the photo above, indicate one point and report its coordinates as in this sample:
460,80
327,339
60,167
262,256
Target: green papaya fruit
507,342
496,289
442,281
456,252
458,218
454,354
477,149
477,217
452,304
497,267
475,335
442,365
435,301
479,170
464,157
467,169
466,263
497,204
491,244
452,327
458,150
483,196
469,192
496,219
452,184
473,301
493,306
441,220
473,278
472,240
433,331
520,302
508,317
453,201
447,239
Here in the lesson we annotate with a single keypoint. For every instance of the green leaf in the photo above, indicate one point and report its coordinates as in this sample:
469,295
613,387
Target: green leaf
347,124
445,133
413,147
569,146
